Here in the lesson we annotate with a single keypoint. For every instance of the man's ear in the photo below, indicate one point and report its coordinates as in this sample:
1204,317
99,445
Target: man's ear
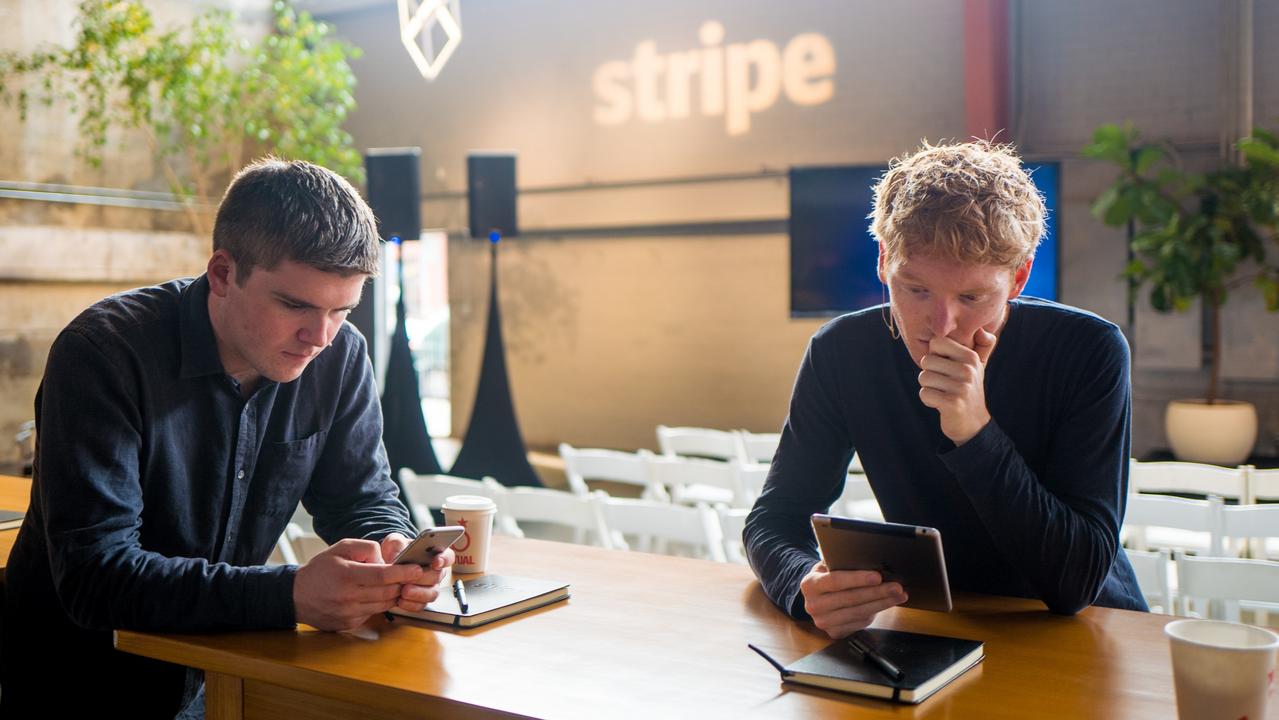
879,264
221,272
1020,277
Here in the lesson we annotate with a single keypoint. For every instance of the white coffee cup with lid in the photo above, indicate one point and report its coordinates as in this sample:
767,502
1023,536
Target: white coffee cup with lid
475,513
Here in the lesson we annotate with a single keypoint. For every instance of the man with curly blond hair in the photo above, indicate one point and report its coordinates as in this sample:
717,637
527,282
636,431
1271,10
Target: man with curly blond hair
1000,420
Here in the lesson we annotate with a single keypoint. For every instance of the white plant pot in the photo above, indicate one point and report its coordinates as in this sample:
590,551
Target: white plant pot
1222,433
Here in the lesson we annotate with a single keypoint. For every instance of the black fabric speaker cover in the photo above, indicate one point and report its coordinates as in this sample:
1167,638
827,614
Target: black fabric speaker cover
395,191
493,444
408,443
490,194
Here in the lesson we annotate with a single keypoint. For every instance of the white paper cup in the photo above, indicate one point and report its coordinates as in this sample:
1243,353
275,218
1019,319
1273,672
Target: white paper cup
475,513
1221,669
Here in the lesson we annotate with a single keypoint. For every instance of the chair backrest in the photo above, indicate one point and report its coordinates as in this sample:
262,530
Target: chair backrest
1262,484
430,491
695,526
699,442
855,465
1229,582
296,546
750,480
758,447
1163,511
732,522
1188,477
858,499
557,507
693,480
582,465
1250,521
284,552
1256,524
1151,569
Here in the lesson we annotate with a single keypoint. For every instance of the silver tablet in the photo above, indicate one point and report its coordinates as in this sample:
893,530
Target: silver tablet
908,554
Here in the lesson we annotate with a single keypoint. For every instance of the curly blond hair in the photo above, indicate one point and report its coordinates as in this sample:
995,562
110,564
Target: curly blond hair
968,202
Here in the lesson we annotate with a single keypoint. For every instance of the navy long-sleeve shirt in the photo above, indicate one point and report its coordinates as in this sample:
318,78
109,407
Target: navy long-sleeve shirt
1030,506
159,490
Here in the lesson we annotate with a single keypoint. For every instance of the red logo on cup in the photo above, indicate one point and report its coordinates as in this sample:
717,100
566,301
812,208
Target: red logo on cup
465,542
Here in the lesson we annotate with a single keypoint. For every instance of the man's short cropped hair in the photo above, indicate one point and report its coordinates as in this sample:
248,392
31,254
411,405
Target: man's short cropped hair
970,202
278,210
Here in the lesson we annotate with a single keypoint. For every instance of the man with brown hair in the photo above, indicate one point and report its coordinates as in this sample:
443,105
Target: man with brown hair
1001,421
178,428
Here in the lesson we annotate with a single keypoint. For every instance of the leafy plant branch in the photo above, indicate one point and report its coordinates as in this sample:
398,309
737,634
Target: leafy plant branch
1197,235
206,98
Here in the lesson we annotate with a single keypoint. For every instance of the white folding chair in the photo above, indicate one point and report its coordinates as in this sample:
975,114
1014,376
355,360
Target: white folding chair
296,546
583,465
1257,525
578,513
1151,569
1227,585
1263,485
858,500
284,552
693,527
694,480
430,491
1188,478
758,447
855,465
732,522
750,481
700,442
1173,522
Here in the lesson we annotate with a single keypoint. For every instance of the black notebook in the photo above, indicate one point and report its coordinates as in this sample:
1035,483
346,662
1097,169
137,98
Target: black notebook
928,663
10,519
488,599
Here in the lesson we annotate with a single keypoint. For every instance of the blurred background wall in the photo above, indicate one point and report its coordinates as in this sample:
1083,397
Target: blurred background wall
612,329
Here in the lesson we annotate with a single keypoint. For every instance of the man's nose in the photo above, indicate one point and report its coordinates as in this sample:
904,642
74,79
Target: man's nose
318,331
943,318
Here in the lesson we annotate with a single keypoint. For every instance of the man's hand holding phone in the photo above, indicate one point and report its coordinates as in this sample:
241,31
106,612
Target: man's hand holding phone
429,551
342,587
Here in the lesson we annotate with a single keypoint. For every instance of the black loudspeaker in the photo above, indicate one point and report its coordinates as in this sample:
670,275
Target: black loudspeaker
395,191
490,194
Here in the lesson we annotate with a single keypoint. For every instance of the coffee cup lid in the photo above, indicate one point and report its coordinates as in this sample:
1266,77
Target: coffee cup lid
468,502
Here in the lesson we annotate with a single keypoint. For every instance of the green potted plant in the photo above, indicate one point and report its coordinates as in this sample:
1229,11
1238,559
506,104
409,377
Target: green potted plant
206,99
1197,236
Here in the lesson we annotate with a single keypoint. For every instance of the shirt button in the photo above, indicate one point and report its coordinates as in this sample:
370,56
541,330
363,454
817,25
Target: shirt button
239,475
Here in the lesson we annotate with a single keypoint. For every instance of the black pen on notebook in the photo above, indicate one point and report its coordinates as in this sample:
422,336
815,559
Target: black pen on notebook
870,655
459,592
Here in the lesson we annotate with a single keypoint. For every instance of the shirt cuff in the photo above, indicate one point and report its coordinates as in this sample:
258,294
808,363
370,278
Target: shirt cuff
269,597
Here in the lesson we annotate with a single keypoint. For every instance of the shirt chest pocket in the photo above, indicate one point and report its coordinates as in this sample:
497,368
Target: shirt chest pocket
283,472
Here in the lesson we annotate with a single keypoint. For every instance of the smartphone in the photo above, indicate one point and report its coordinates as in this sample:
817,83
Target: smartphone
429,543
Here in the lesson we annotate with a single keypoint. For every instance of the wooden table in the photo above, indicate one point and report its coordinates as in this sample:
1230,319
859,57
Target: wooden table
15,494
658,637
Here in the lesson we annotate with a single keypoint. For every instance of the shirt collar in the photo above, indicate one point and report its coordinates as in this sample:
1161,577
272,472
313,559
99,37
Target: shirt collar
195,332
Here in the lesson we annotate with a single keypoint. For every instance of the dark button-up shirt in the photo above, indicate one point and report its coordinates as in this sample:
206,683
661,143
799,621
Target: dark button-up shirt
159,490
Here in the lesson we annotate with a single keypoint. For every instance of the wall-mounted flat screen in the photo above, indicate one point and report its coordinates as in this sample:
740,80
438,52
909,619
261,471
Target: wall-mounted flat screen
833,254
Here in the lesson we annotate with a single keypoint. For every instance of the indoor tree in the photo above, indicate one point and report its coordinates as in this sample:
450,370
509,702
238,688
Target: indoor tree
1196,235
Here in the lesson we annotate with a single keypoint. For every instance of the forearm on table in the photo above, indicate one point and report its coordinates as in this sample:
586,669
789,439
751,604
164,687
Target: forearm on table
1064,547
125,587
